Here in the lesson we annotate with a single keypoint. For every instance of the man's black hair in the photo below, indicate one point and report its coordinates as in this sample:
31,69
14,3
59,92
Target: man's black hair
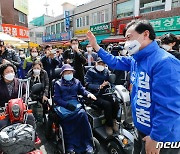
47,46
140,27
74,39
4,66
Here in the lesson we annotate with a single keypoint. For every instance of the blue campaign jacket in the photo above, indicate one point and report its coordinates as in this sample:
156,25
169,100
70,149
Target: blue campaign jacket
155,97
65,91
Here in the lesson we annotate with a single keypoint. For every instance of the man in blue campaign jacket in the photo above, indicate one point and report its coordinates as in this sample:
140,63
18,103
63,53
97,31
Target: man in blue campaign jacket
155,77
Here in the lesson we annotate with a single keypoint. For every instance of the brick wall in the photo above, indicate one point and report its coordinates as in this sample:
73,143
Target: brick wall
10,15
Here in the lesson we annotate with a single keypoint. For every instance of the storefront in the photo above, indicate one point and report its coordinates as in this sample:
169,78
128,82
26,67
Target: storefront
166,25
101,31
61,39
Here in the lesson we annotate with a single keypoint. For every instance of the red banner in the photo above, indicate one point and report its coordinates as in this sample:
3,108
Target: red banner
16,31
121,28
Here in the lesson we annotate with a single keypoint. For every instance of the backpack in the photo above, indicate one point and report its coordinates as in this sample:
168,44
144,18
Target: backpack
17,139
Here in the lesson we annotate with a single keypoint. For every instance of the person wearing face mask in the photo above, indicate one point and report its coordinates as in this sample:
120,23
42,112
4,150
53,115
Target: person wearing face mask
9,90
171,44
49,64
29,60
8,55
96,80
39,75
90,56
74,120
155,97
59,57
75,58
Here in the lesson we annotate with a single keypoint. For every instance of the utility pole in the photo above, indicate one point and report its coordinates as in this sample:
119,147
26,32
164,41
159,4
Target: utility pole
46,6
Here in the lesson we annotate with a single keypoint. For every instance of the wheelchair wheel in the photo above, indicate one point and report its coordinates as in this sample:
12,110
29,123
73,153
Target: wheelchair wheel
97,145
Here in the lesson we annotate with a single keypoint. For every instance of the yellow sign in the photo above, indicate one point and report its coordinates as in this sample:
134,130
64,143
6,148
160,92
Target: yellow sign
21,5
81,31
32,44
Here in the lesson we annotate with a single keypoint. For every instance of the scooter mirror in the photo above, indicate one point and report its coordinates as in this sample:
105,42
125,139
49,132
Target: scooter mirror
37,88
112,78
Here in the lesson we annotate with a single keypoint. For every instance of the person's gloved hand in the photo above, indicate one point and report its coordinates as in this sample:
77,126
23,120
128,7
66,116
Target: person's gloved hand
70,107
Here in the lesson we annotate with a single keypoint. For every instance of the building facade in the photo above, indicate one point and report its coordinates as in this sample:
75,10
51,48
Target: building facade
14,18
95,16
58,31
37,28
164,15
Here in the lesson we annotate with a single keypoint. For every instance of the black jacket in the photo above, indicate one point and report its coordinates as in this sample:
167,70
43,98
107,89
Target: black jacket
49,67
78,62
43,79
175,53
11,56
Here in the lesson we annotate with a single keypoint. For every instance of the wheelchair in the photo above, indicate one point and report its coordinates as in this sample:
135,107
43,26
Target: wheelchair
53,128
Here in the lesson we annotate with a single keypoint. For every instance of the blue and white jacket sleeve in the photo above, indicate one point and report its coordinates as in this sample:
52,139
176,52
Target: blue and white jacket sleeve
115,62
166,93
82,90
57,96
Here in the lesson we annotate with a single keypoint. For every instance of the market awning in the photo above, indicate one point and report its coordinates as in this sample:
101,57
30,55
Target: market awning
99,39
114,39
173,32
32,44
8,39
57,43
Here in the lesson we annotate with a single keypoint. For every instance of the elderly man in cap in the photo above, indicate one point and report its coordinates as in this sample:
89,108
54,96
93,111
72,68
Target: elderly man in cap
96,80
74,120
8,55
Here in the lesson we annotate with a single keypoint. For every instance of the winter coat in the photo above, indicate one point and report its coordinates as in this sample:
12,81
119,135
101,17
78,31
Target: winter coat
4,95
68,90
43,79
94,78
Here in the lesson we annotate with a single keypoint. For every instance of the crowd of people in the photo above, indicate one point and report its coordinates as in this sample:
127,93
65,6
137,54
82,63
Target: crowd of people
155,74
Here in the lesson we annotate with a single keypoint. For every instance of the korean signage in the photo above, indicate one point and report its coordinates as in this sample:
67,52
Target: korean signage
57,37
16,31
80,31
21,5
165,24
67,20
101,28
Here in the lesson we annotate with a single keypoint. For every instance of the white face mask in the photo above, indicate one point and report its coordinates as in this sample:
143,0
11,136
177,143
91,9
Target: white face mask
123,52
89,49
166,47
132,46
100,68
34,54
36,71
9,76
74,47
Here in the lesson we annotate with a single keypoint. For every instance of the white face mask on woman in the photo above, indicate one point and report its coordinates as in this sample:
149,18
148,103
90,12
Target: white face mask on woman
36,71
34,54
9,76
166,47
